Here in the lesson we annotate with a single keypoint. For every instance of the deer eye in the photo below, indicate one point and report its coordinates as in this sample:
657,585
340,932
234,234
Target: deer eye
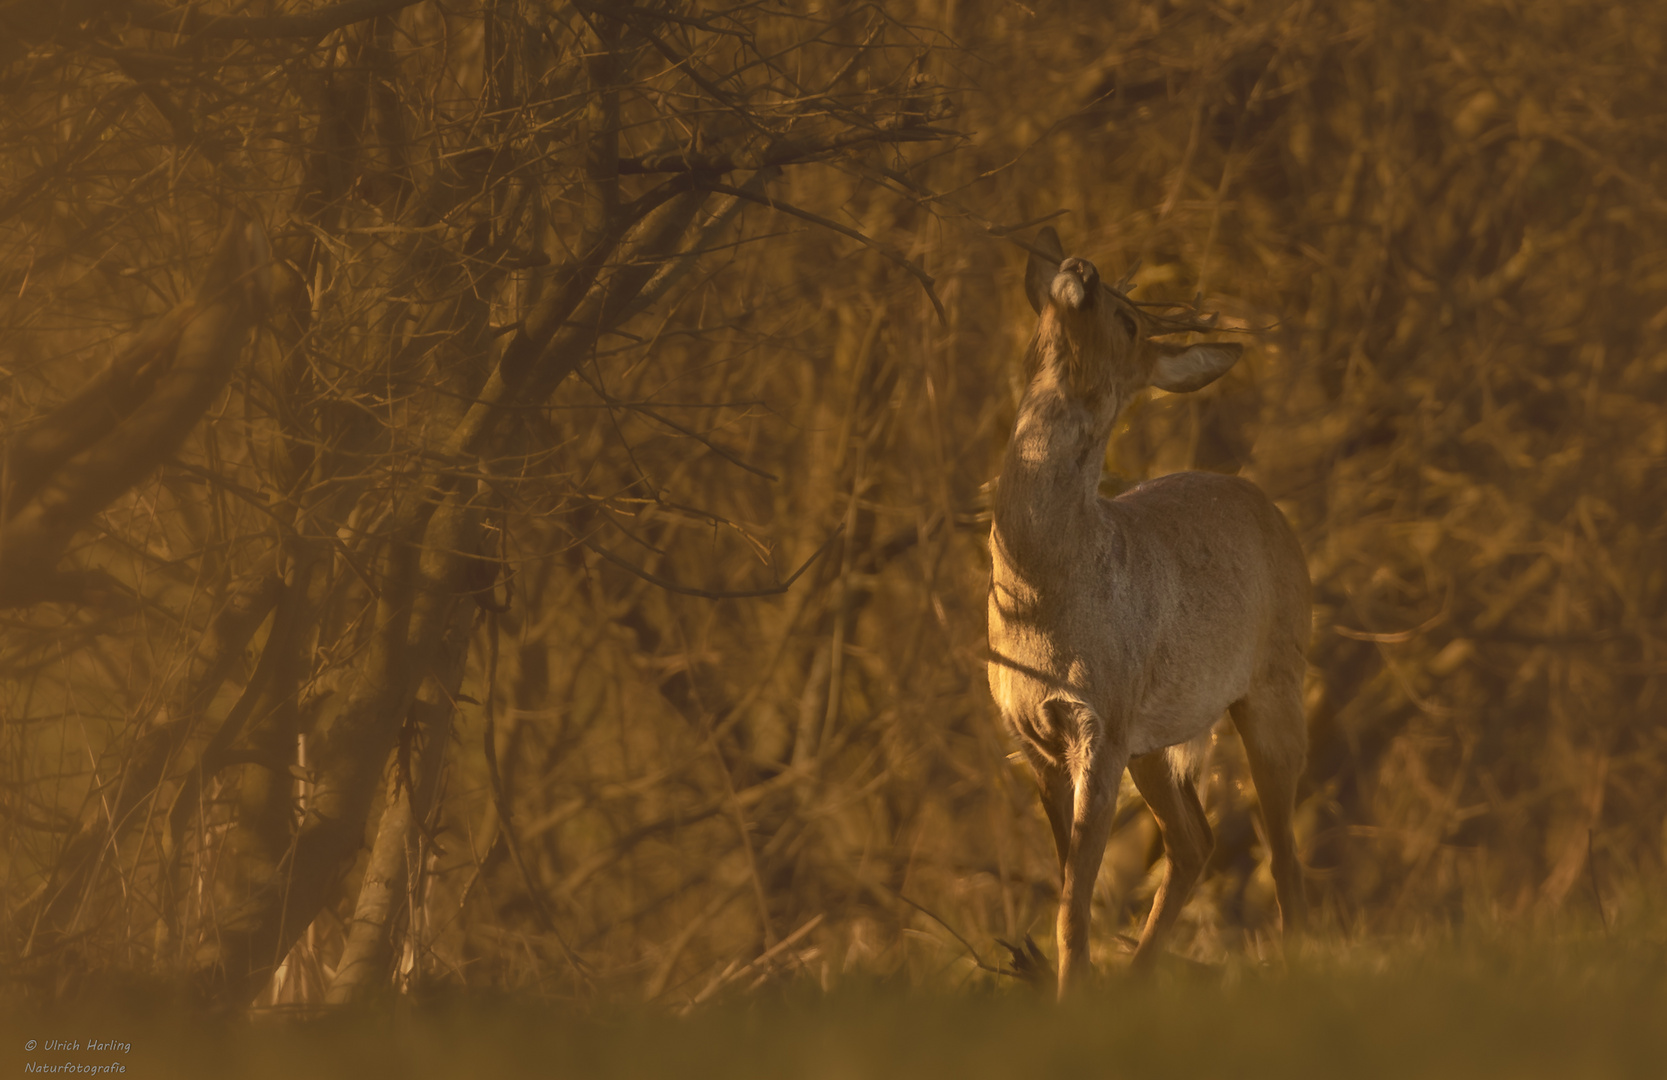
1129,326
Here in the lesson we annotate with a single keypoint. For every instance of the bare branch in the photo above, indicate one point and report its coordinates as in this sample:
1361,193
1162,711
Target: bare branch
186,364
314,24
925,279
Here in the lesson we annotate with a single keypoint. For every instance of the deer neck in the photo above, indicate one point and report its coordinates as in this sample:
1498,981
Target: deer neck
1048,495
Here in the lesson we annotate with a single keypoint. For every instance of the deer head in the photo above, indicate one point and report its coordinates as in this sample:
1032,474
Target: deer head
1097,343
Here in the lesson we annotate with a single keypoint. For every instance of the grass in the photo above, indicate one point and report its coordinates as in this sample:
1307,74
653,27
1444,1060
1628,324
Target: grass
1528,1005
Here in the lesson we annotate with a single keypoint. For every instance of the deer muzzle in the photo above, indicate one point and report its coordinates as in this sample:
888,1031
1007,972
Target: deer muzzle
1075,285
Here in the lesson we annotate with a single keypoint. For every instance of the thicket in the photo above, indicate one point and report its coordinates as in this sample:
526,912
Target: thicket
497,495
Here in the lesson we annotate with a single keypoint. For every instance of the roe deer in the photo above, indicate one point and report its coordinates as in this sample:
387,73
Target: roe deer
1120,629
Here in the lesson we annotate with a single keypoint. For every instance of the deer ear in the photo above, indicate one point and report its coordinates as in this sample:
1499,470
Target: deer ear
1180,368
1040,272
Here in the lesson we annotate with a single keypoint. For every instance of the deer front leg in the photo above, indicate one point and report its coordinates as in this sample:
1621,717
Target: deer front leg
1097,770
1057,789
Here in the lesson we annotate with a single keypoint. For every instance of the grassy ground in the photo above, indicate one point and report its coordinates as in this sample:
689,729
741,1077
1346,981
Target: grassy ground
1510,1006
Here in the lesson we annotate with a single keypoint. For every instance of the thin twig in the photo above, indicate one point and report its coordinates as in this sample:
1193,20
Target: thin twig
1592,873
935,917
713,594
728,976
926,280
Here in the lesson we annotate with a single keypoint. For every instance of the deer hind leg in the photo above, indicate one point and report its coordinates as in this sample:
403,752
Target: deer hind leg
1275,734
1187,841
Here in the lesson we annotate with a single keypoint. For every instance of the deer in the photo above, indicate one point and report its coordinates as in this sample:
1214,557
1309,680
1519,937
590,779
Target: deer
1121,629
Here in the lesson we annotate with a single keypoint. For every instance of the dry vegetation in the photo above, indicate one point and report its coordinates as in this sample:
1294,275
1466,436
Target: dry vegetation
417,416
1534,1009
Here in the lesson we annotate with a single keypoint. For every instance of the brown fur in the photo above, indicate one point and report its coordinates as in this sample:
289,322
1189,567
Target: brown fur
1121,629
